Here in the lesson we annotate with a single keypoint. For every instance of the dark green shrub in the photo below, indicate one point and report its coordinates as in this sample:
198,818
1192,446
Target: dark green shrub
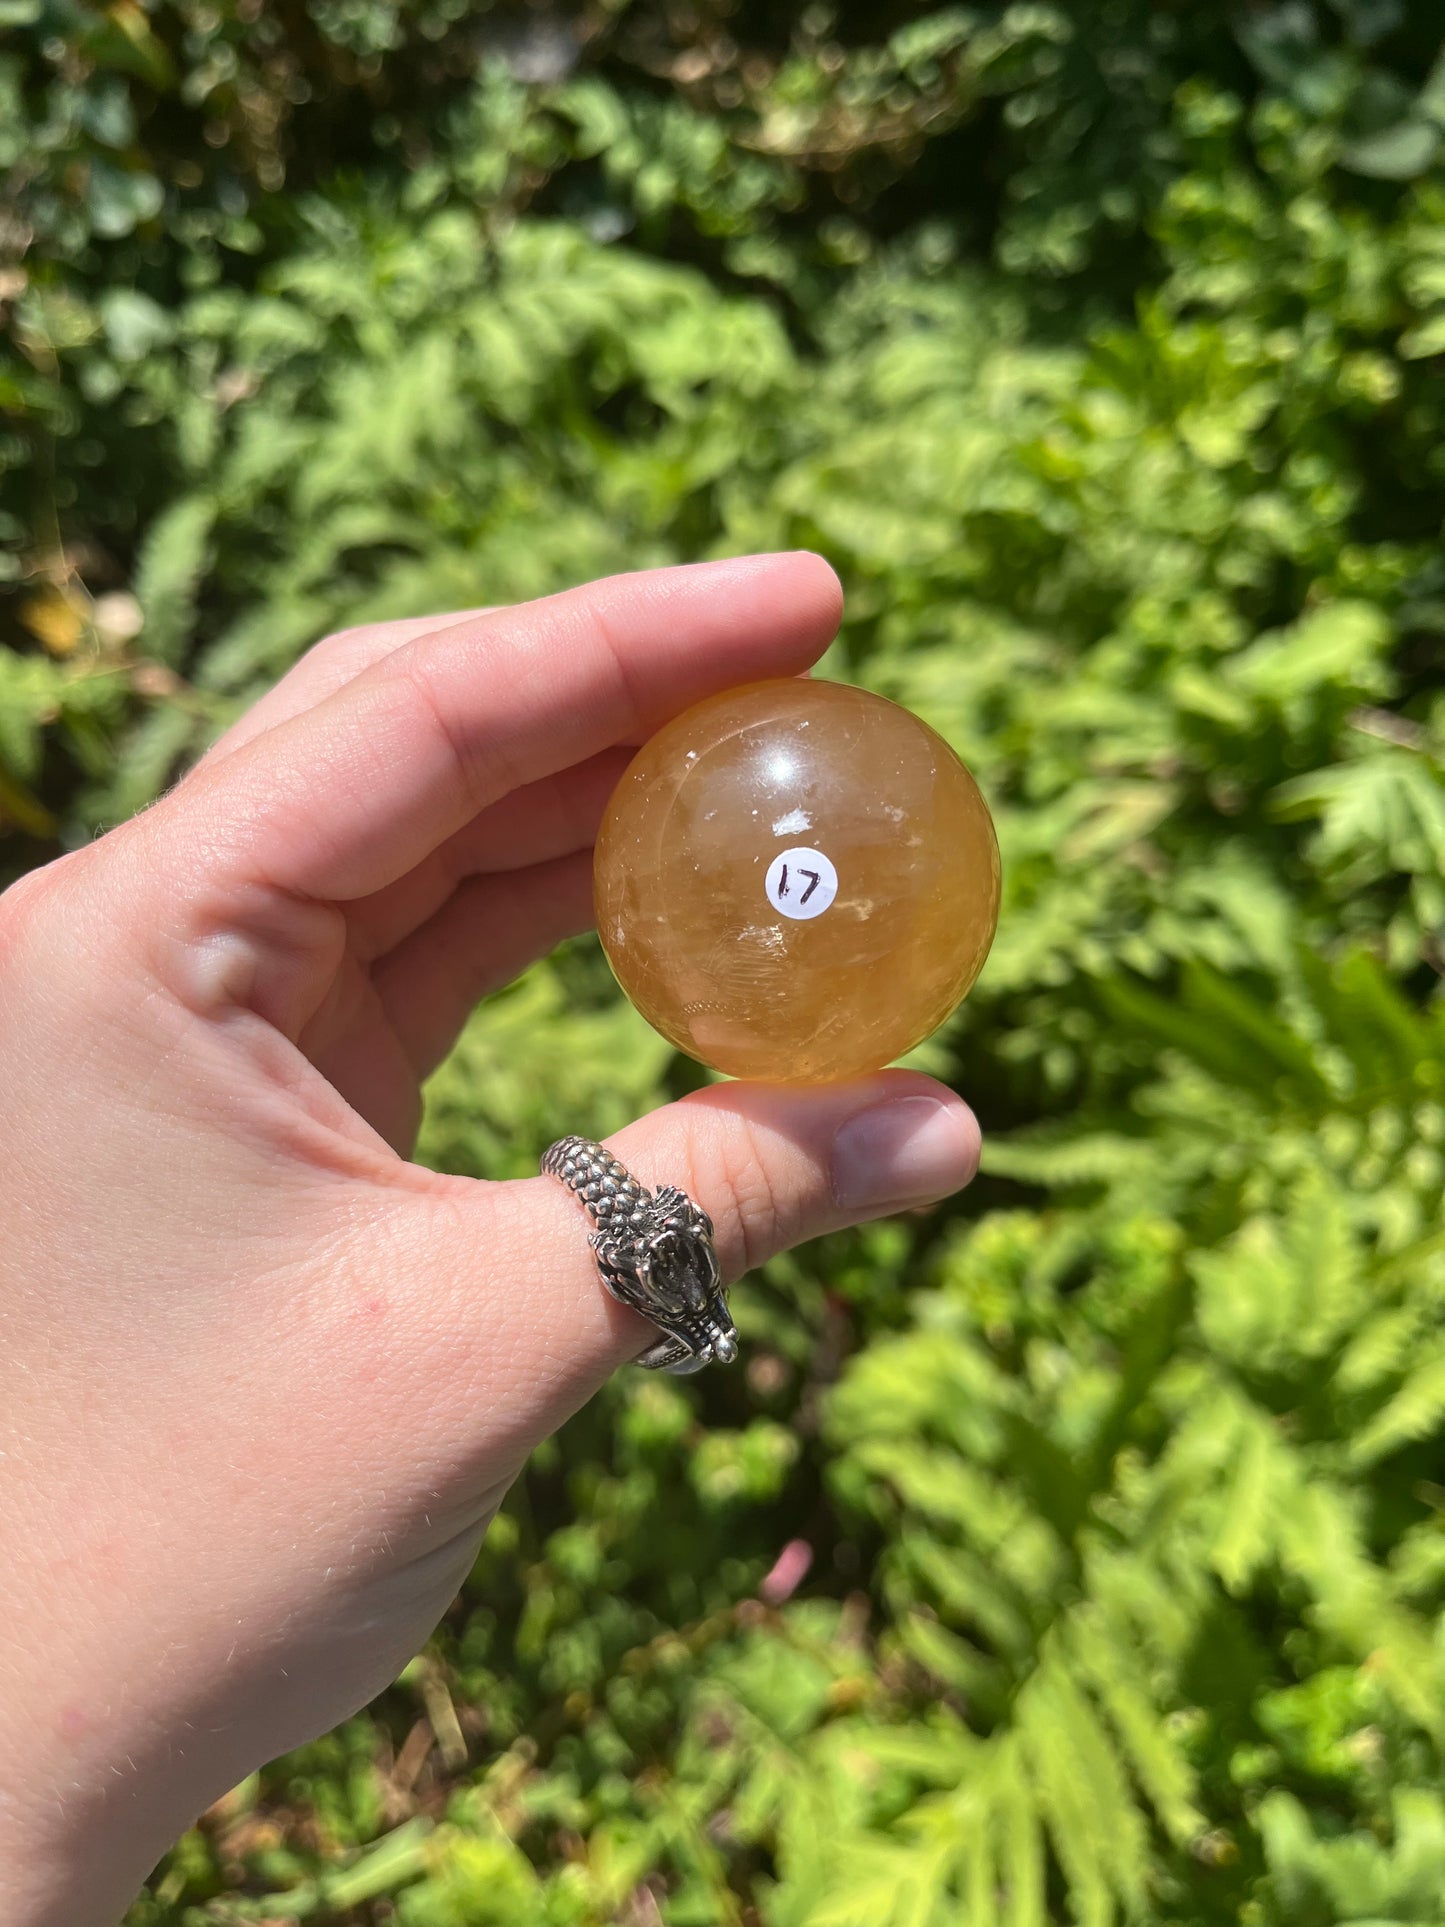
1100,349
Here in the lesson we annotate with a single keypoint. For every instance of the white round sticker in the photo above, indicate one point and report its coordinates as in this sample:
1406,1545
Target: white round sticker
801,883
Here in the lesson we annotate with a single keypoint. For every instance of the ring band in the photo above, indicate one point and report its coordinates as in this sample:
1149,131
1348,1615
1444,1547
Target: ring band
655,1253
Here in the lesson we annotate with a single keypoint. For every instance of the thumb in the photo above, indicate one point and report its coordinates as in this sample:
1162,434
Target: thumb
507,1273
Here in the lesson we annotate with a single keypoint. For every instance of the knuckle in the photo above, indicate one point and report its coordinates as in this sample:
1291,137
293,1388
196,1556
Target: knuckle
341,638
357,640
21,907
475,775
26,903
736,1185
616,651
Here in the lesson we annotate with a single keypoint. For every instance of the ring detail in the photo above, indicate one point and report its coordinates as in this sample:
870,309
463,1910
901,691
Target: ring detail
654,1252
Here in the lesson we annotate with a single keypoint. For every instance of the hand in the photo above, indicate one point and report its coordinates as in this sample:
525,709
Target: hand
266,1381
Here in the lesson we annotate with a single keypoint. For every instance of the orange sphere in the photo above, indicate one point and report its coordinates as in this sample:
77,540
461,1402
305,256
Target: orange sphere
796,881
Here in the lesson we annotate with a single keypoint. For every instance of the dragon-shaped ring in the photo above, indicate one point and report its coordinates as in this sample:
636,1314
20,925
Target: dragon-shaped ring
654,1252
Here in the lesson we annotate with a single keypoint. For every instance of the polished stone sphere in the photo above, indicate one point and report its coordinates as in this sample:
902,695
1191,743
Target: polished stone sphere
796,881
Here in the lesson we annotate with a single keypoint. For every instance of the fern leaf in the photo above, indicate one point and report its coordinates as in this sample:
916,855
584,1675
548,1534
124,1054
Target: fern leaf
969,1590
1378,1350
1110,1664
881,1883
980,1878
1249,1505
31,689
1057,1159
155,749
1250,1022
1320,1541
1217,1049
942,1753
168,575
1368,1021
950,1659
1418,1562
1096,1828
1284,1288
1022,1859
1353,1877
1415,1412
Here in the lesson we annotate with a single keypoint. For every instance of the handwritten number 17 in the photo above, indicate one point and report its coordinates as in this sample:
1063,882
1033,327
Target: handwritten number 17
815,879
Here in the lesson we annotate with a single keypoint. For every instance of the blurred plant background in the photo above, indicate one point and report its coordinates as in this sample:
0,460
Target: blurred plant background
1076,1555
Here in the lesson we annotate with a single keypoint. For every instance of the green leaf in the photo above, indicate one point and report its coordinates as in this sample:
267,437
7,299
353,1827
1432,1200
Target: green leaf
168,576
1400,153
119,200
1416,1411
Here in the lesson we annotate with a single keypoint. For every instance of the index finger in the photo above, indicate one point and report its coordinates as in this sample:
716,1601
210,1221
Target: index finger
344,799
327,666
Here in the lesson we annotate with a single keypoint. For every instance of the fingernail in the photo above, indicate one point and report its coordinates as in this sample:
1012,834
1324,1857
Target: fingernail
902,1153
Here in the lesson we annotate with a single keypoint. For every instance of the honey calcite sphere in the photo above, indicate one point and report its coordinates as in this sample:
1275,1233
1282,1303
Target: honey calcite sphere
796,881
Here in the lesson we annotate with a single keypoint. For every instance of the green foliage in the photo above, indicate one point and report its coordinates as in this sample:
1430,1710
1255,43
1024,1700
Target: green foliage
1099,347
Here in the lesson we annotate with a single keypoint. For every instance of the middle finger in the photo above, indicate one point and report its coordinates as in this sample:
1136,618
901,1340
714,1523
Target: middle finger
554,817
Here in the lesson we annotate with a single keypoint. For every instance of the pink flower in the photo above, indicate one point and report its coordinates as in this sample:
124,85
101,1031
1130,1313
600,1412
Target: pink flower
790,1569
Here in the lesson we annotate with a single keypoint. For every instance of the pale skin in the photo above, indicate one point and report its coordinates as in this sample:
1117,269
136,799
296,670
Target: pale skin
266,1380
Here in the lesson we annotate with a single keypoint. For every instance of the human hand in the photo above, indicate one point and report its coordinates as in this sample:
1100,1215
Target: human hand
266,1380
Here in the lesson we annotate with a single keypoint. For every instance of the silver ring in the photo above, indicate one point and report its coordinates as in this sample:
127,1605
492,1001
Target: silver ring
654,1252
